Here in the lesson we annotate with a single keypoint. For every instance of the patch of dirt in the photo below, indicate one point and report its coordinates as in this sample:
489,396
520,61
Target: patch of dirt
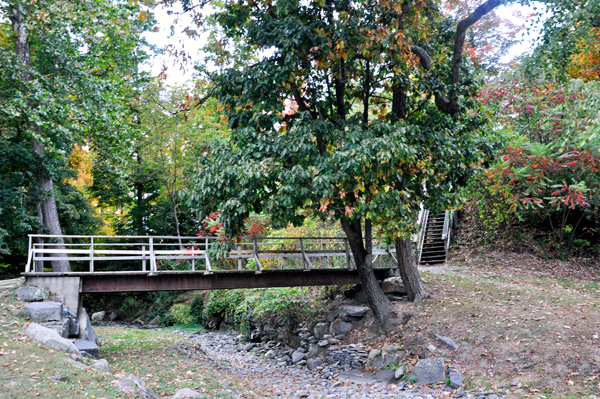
515,317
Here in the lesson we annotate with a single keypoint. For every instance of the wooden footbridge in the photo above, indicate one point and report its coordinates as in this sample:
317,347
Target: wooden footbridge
163,263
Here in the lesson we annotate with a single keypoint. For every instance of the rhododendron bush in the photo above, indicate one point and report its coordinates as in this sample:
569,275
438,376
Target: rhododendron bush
549,167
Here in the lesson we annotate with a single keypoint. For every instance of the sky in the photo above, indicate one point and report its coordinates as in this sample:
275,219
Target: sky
179,73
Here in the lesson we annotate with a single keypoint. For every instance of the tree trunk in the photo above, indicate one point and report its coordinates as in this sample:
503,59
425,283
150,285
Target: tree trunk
378,302
408,271
47,207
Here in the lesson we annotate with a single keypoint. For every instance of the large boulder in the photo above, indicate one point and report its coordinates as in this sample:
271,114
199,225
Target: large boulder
429,371
393,285
320,329
132,386
73,321
349,313
44,311
50,338
86,331
339,328
31,293
88,347
61,326
98,316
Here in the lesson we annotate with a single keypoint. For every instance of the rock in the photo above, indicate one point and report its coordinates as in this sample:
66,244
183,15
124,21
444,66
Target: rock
314,350
386,376
393,285
62,327
312,364
59,378
98,316
431,348
297,357
44,311
429,371
350,313
102,365
339,328
493,396
399,372
86,331
447,342
270,354
154,322
373,353
31,293
112,316
73,321
249,346
187,393
455,379
391,359
514,383
50,338
139,321
460,393
88,347
131,385
320,330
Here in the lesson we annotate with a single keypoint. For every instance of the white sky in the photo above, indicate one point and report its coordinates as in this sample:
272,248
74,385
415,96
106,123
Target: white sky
179,73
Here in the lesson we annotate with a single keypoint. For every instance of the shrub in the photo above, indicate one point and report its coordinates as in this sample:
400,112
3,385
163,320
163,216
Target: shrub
182,314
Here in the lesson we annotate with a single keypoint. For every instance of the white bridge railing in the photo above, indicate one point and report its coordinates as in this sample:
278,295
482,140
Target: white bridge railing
154,254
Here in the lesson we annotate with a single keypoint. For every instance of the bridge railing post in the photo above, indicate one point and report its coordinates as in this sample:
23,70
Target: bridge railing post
255,253
208,268
347,250
283,256
29,255
153,268
143,258
92,254
239,257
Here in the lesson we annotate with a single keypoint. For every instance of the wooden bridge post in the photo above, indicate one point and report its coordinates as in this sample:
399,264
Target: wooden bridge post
255,253
208,268
239,257
143,258
153,268
283,257
324,256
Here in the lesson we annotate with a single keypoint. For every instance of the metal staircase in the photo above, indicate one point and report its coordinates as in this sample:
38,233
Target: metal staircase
433,239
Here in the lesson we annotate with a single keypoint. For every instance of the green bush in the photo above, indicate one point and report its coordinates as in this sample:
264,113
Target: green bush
182,314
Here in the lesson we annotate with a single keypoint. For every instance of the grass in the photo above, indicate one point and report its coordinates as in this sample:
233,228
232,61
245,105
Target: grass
153,356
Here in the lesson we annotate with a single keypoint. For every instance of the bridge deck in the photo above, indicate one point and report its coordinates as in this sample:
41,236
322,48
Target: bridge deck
190,280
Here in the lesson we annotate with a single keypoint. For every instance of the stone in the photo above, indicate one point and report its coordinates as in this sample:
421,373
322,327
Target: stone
103,366
447,342
373,353
133,386
429,371
320,330
59,378
352,313
314,350
312,364
493,396
399,372
86,331
154,321
88,347
393,285
98,316
112,316
44,311
391,359
50,338
270,354
460,393
62,326
73,321
31,293
297,357
339,328
386,376
323,342
455,379
249,346
187,393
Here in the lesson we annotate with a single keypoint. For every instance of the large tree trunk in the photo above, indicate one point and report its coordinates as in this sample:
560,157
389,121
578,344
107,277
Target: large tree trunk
407,265
47,207
378,302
